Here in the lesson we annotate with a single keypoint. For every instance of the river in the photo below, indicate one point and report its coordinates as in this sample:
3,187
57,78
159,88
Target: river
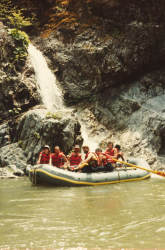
126,215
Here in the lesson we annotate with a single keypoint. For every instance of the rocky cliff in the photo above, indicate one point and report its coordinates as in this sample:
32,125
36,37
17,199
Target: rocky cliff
108,57
24,126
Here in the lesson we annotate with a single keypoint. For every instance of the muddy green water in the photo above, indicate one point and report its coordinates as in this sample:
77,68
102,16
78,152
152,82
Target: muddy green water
114,216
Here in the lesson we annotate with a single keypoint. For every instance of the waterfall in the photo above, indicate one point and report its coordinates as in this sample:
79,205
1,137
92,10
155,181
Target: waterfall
92,142
52,96
50,93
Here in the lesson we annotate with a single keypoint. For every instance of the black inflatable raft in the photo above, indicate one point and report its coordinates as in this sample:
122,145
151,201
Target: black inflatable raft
46,174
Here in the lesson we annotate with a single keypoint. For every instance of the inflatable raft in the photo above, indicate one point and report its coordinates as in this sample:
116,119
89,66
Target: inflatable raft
46,174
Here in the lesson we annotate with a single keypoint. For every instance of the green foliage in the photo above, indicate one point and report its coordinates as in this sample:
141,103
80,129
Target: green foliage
5,6
19,36
56,116
21,41
18,21
13,16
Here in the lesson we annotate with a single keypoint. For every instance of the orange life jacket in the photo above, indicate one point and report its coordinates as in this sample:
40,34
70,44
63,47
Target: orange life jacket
45,158
75,159
57,160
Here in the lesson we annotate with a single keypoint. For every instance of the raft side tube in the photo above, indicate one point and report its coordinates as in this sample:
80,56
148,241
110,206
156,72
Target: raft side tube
46,174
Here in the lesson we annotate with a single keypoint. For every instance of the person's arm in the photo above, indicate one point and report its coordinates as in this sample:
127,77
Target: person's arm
39,158
69,156
121,156
115,153
84,162
50,160
88,158
65,159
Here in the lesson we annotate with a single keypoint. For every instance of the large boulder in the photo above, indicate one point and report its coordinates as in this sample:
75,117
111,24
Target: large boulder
12,157
38,127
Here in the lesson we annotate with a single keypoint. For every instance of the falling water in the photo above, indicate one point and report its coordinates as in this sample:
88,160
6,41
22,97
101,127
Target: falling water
50,93
52,96
89,139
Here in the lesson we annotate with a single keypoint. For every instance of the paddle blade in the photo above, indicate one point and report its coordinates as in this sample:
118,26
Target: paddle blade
160,173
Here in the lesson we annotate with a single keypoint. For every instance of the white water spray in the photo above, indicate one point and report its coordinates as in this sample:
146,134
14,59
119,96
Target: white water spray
50,93
91,141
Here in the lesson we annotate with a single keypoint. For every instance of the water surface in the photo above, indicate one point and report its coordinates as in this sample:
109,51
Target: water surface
113,216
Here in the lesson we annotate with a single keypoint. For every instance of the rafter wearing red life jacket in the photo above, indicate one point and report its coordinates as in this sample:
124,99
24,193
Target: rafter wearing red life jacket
101,157
93,162
57,159
109,155
75,159
45,158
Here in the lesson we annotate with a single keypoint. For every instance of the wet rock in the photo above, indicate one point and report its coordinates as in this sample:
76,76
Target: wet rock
13,157
16,171
4,135
6,173
38,127
17,86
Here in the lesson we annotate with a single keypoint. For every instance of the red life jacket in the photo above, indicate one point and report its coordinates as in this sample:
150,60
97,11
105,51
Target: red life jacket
109,159
104,159
57,160
86,156
109,155
45,158
111,152
75,159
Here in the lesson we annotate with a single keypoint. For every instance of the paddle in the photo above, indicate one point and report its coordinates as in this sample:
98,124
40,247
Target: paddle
135,166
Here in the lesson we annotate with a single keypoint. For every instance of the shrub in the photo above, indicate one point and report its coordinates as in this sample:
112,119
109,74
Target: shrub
21,44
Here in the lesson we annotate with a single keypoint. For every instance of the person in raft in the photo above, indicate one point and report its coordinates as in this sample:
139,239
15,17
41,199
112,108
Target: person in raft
119,152
58,159
111,153
75,157
104,161
90,163
44,156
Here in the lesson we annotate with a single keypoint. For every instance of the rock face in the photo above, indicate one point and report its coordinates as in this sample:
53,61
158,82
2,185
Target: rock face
116,71
17,94
38,128
14,157
113,70
22,134
4,135
127,44
95,62
17,85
